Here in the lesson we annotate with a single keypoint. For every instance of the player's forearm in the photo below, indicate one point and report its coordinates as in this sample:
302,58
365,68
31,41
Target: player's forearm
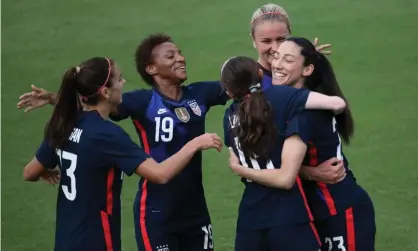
31,178
269,177
313,173
173,165
33,170
324,102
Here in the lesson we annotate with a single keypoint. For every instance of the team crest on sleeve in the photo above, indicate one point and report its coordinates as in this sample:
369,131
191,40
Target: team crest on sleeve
182,114
195,107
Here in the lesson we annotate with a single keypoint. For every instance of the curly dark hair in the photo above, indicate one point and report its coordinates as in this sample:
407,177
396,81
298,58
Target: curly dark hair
143,54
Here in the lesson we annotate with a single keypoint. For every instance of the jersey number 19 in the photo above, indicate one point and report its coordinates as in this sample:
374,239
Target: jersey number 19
164,129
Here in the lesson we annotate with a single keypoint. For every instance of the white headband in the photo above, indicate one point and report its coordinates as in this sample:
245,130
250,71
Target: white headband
223,66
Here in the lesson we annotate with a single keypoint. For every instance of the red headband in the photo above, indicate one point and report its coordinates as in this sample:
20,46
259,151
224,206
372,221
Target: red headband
84,98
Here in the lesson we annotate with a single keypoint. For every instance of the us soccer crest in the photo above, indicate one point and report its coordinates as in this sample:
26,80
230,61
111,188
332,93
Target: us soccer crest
195,108
182,114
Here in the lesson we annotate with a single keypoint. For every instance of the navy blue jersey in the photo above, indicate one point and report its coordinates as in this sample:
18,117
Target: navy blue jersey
267,80
261,206
318,130
164,126
91,161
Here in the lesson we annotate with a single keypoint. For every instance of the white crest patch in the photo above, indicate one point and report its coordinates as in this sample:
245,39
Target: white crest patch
195,108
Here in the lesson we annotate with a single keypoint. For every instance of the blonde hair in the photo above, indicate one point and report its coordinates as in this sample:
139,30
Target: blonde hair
269,12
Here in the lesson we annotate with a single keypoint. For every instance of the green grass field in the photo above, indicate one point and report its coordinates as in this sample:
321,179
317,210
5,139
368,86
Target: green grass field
375,57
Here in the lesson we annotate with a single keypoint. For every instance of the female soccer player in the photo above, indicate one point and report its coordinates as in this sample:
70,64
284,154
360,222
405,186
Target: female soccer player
273,213
173,215
92,153
344,212
269,27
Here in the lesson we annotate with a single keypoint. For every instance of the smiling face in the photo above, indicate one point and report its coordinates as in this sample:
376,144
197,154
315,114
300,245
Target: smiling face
168,63
288,66
267,37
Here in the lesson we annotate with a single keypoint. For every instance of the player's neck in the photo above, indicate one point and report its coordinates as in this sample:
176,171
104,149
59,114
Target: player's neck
169,90
299,84
103,110
264,64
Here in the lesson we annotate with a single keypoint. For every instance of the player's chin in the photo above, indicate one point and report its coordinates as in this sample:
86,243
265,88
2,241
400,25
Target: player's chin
181,76
269,57
278,81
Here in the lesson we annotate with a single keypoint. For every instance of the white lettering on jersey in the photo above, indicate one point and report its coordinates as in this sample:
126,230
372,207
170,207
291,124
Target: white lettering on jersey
233,121
75,135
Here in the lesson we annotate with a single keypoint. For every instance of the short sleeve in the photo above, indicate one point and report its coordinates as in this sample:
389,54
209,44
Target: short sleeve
47,156
300,125
297,101
214,93
288,99
123,152
133,104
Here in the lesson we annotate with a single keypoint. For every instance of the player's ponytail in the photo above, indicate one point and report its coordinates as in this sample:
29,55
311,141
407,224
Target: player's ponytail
66,110
256,131
328,85
323,80
81,83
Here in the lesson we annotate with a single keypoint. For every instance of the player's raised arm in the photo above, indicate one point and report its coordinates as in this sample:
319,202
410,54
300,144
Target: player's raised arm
306,99
37,98
162,172
303,98
320,101
128,156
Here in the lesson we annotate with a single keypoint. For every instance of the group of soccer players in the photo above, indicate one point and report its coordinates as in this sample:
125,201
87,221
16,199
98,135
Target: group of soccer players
270,137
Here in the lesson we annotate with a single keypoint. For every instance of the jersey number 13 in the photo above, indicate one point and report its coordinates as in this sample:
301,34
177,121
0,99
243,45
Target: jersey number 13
69,192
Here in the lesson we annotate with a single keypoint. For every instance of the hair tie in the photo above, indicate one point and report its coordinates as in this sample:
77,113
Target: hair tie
254,88
77,69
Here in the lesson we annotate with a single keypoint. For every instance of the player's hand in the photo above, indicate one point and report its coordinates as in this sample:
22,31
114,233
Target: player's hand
331,171
51,176
209,140
37,98
322,48
234,163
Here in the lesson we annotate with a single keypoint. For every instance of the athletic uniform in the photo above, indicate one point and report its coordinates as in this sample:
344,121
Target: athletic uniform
271,218
343,212
173,216
91,162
